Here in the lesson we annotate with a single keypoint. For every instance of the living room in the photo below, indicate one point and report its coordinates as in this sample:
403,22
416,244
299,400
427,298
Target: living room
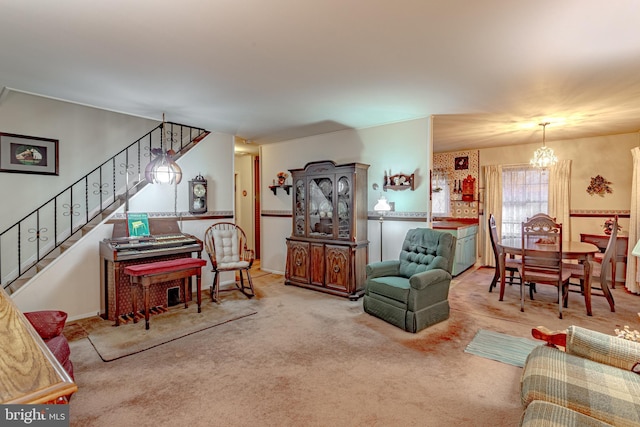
89,134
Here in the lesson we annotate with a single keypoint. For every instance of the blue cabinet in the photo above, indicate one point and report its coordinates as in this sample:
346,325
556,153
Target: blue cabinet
466,254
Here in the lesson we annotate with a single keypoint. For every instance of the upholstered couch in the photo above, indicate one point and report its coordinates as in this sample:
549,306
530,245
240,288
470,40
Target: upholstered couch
593,382
49,325
411,292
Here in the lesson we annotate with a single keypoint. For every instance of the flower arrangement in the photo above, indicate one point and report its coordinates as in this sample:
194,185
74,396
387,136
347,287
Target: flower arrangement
600,186
608,227
282,177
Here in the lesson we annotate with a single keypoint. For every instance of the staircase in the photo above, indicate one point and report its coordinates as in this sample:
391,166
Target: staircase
31,244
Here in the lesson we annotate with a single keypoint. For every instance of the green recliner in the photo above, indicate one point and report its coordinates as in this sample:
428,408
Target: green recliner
412,292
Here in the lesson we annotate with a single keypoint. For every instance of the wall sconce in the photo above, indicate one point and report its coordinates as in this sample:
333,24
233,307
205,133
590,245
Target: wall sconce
382,207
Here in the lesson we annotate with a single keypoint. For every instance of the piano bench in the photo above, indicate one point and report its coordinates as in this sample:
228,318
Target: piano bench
164,271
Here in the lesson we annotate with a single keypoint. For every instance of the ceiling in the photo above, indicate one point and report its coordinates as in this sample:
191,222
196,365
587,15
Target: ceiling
488,71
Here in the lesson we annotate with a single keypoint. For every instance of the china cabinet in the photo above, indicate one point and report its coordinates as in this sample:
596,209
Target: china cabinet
328,247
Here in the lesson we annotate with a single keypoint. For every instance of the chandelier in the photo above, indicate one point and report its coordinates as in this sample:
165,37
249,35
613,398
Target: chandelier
543,157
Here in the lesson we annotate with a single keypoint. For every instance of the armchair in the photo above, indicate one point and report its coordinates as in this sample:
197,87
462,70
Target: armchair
411,292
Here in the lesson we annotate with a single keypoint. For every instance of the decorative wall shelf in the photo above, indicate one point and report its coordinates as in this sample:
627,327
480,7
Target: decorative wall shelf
399,182
274,188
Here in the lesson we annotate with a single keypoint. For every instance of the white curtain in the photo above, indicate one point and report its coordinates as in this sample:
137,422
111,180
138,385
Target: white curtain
525,192
559,195
440,196
492,205
632,283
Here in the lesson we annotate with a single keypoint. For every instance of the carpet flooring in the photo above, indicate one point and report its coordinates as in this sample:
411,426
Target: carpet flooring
501,347
113,342
312,359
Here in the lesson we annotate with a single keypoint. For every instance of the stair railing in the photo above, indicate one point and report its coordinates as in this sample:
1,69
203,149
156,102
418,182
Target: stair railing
24,244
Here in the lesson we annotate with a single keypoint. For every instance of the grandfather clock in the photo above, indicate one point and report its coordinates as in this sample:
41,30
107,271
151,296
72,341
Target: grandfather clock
198,195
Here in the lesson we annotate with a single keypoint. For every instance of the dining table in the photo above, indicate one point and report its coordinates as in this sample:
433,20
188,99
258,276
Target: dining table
583,252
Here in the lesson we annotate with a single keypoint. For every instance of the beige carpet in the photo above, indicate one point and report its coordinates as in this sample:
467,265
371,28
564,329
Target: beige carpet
312,359
113,342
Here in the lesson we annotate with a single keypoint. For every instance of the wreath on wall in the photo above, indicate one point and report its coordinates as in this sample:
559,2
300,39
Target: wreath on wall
600,186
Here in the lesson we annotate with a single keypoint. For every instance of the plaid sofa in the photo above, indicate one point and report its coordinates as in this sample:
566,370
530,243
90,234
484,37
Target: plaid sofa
590,383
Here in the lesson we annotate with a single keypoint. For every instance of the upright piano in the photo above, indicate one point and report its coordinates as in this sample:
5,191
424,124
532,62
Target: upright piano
165,242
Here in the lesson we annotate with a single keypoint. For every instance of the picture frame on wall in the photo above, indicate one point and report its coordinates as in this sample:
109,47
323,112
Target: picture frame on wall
28,154
462,163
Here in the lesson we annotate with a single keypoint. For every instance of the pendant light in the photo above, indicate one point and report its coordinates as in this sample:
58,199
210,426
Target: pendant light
163,169
543,157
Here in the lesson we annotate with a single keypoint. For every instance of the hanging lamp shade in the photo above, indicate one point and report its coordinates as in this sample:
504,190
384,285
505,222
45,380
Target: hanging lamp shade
543,157
163,169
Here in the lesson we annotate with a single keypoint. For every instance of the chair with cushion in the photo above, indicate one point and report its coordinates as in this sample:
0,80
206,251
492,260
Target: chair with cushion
584,371
49,325
412,292
226,244
542,257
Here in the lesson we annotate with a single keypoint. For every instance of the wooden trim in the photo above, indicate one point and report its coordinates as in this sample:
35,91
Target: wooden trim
598,215
276,215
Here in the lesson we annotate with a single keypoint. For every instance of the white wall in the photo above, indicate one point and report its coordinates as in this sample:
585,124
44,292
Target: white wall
87,136
403,147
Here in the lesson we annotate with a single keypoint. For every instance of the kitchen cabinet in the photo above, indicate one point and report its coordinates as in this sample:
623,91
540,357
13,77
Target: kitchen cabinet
466,245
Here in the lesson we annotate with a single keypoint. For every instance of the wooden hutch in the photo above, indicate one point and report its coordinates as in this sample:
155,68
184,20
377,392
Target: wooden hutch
328,248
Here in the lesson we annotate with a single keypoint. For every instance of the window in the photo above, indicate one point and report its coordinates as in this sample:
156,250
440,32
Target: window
525,192
440,199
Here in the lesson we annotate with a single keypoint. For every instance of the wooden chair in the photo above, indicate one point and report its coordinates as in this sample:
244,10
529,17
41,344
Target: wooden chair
542,258
541,215
511,264
226,244
603,269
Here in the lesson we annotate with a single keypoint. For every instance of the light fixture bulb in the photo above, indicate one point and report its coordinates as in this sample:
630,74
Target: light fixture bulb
543,157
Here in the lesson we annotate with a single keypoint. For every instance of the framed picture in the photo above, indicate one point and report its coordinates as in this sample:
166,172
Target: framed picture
28,154
462,163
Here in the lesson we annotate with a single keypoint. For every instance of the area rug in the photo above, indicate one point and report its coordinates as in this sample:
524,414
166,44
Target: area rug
114,342
501,347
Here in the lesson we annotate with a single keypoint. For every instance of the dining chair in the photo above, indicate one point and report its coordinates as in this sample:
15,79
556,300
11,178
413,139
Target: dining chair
226,244
510,264
542,258
542,215
601,269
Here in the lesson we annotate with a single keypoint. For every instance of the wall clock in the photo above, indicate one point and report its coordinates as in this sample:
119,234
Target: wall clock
198,195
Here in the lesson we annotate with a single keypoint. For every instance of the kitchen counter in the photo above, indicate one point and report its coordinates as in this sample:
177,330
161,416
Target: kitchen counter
465,231
453,224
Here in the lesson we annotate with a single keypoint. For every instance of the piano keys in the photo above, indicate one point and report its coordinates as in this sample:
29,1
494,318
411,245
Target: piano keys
165,242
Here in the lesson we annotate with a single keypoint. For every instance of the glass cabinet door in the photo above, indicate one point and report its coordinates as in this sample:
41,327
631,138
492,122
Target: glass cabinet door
321,213
299,208
344,208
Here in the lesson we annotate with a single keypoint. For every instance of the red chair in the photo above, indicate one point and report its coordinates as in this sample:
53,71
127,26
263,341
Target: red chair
49,325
